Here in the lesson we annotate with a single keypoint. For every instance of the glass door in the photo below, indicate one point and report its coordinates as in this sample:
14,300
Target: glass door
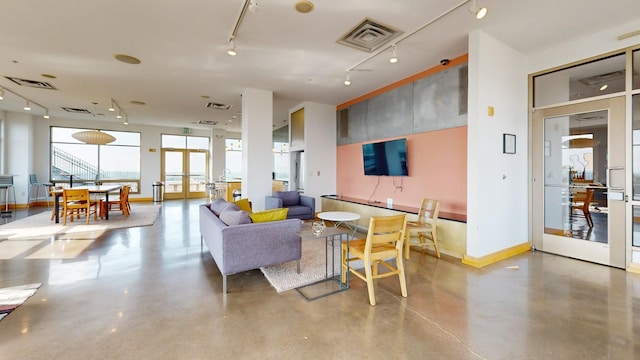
579,181
184,173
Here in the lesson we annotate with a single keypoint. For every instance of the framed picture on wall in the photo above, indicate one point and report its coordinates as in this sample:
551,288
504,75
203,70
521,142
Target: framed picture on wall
508,143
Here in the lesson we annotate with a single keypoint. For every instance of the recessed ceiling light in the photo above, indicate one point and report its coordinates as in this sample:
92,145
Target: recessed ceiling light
604,87
304,6
127,59
138,102
49,76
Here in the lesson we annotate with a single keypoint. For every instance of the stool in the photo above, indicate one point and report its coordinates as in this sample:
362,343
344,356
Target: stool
6,182
33,181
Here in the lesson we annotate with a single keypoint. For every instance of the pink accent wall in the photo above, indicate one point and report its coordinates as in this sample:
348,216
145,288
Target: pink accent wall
437,163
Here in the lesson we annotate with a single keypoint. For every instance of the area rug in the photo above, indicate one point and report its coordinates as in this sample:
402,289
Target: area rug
41,225
284,277
12,297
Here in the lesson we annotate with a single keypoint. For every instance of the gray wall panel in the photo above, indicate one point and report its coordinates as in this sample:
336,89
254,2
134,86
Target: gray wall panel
440,100
391,114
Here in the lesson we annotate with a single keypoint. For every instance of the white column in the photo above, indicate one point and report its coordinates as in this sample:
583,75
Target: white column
257,145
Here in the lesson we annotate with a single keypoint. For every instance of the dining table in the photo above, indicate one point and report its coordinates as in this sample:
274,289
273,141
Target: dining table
93,189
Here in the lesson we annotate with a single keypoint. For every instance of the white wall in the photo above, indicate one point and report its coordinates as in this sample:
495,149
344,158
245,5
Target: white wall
320,149
19,154
497,200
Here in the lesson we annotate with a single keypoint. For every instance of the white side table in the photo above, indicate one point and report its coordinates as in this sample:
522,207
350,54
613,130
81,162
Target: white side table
349,219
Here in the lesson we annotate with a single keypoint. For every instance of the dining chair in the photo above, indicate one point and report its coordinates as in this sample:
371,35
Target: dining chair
384,241
52,190
425,227
77,201
33,182
581,202
6,183
120,202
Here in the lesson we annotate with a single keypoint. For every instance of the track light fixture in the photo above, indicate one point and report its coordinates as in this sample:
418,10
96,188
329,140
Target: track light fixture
121,114
112,108
27,102
46,114
232,47
126,121
347,80
472,7
394,54
475,10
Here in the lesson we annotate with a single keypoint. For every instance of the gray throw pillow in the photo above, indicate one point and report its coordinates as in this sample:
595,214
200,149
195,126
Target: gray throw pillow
232,217
218,205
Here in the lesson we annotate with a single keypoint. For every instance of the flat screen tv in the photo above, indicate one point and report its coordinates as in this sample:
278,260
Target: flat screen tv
386,158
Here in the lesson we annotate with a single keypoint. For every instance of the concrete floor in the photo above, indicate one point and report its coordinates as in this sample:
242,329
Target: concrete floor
149,293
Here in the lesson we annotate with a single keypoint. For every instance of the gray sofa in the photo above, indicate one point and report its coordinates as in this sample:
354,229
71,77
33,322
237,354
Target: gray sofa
300,206
247,246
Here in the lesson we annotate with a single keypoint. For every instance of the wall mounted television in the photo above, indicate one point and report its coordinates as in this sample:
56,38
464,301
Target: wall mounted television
385,158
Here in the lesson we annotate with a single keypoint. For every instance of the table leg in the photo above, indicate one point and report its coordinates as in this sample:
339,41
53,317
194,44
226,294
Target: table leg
56,203
106,207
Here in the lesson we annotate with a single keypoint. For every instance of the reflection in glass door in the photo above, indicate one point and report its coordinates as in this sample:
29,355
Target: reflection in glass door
579,179
184,173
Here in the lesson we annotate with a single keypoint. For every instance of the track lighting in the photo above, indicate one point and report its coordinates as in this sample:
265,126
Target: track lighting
46,114
347,80
232,47
394,54
126,121
112,107
478,12
1,94
27,107
119,116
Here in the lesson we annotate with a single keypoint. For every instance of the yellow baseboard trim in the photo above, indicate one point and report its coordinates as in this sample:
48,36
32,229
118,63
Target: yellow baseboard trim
634,268
145,199
497,256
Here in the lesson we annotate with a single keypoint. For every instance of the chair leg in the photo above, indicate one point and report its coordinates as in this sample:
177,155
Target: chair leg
369,275
403,280
407,247
344,264
435,243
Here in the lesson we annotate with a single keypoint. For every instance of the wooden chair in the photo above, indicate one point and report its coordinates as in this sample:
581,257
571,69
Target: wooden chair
581,202
383,243
425,227
118,203
51,192
76,201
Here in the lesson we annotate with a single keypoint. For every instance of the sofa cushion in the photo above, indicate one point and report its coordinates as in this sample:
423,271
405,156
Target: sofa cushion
218,205
231,216
289,197
244,204
298,210
269,215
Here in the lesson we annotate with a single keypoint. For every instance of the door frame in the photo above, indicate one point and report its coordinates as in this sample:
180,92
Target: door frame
617,232
186,191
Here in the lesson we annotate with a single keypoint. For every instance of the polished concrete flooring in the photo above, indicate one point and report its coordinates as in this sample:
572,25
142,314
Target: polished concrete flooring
150,293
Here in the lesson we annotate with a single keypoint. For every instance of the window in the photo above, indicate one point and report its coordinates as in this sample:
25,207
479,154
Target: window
233,158
280,160
118,161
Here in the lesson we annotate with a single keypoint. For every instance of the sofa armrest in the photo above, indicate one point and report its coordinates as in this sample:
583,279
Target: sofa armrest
272,202
309,201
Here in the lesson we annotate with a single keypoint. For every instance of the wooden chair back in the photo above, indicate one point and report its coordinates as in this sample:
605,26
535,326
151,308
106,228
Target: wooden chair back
428,213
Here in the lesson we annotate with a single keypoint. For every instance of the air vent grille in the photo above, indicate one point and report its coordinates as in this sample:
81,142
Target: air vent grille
31,83
218,106
369,35
76,110
207,122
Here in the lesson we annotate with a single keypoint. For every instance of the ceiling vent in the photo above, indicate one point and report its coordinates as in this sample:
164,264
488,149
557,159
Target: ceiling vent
207,122
31,83
76,110
369,35
602,78
218,106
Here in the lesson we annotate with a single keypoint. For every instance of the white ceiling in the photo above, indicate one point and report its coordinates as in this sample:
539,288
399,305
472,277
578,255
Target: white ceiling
182,45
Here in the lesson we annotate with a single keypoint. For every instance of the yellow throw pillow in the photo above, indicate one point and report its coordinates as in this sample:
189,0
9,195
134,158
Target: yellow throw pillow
269,215
244,204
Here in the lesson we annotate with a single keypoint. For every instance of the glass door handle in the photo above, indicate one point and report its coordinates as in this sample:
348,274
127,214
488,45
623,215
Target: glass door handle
609,170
